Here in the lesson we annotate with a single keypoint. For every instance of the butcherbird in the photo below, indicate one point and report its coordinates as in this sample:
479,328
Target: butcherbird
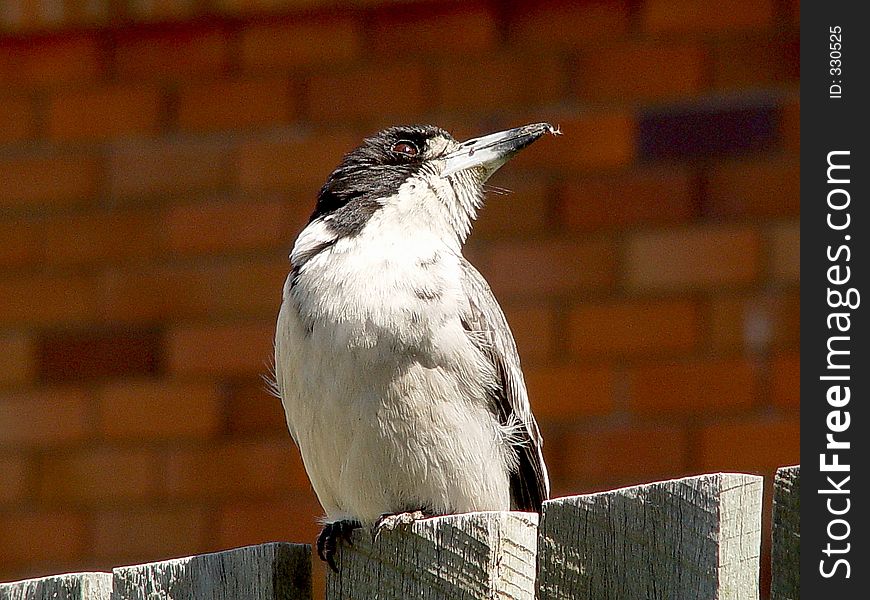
398,373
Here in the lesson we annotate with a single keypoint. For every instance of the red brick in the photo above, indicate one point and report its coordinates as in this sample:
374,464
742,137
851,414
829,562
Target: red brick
524,210
705,16
223,350
37,17
29,241
757,188
560,24
591,142
386,93
154,294
755,323
234,104
14,470
215,289
695,387
299,207
48,300
794,11
98,476
175,53
21,15
569,392
623,455
632,328
17,358
556,442
51,61
17,119
785,377
690,258
245,523
250,469
641,71
499,82
757,445
152,409
238,288
534,329
149,533
300,164
252,409
34,536
463,128
44,417
163,10
85,14
104,238
786,319
408,29
300,43
785,252
104,113
548,267
55,180
249,7
169,167
203,228
756,61
623,200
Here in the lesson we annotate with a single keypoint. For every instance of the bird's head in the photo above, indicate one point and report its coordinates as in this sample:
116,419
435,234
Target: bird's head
419,173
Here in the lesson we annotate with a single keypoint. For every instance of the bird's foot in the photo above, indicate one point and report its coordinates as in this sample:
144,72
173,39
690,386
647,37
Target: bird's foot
330,536
390,522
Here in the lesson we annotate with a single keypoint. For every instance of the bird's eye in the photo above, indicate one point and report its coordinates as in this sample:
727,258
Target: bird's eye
405,147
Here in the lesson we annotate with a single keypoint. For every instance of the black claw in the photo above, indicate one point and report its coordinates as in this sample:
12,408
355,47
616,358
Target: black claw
330,536
347,531
330,560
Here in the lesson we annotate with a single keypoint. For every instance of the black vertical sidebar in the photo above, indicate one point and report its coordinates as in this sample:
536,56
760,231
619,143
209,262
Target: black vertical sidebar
835,365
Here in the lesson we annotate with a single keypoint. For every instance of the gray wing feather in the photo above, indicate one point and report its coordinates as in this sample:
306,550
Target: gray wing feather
488,329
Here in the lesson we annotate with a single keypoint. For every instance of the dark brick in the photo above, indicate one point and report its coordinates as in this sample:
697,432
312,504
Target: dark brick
76,356
687,132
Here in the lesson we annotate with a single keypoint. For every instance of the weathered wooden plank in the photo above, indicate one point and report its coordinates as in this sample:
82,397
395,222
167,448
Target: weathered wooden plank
276,571
465,556
72,586
695,538
785,561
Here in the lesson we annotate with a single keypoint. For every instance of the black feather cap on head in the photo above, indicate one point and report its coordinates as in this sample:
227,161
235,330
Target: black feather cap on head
371,171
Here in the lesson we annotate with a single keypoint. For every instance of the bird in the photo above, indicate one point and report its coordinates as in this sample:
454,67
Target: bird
398,373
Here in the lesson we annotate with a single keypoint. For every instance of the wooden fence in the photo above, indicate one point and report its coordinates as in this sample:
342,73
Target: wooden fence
694,538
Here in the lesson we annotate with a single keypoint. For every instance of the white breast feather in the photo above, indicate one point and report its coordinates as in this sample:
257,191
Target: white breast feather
383,391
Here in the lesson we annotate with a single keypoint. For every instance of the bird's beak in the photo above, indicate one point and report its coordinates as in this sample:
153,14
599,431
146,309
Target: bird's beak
486,154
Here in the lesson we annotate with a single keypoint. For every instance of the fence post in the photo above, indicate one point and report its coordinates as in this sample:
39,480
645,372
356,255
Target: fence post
468,556
696,538
73,586
785,554
265,572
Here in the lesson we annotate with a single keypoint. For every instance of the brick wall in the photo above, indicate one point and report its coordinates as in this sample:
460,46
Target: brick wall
158,158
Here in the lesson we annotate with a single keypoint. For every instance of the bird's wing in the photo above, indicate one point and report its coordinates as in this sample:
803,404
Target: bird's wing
488,329
278,381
